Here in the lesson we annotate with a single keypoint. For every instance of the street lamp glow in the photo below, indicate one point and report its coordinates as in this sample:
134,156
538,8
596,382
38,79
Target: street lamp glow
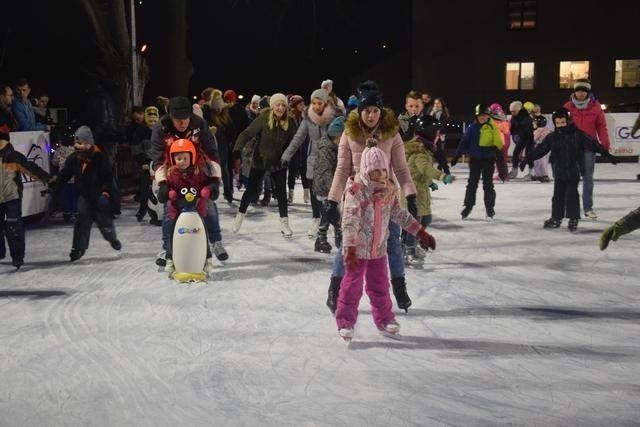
603,106
241,96
143,48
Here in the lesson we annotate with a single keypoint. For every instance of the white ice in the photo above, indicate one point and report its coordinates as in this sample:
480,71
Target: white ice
510,324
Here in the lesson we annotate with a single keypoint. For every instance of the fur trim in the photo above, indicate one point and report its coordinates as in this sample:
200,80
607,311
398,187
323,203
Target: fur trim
414,146
389,125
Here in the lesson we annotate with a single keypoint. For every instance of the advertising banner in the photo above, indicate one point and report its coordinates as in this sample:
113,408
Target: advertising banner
35,146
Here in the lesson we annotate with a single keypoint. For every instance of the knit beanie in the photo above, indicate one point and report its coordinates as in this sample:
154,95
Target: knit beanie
277,97
327,82
295,100
320,94
353,102
528,106
373,158
217,103
230,96
336,127
582,84
84,134
255,98
369,96
515,105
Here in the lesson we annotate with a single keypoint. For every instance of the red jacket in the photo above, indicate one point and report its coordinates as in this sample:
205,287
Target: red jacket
177,180
591,121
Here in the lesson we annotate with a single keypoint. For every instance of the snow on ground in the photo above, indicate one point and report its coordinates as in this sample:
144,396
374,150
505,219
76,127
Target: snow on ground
510,324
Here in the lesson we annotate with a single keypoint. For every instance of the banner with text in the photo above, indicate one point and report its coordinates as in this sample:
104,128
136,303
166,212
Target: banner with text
35,146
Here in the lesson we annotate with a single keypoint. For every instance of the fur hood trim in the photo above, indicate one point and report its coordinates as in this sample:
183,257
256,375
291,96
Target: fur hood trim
387,129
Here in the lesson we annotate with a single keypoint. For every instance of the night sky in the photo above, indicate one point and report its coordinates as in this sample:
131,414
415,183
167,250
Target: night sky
251,46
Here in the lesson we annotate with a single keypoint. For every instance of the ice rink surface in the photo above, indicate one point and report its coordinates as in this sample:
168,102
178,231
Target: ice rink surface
511,324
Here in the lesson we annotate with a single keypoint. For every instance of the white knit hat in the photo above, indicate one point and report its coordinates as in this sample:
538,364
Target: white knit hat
277,97
327,82
255,98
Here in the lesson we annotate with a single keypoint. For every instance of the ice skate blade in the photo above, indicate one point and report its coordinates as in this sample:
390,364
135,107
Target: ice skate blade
393,336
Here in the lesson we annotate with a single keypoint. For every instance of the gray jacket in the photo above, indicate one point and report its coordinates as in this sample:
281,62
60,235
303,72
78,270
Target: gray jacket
315,132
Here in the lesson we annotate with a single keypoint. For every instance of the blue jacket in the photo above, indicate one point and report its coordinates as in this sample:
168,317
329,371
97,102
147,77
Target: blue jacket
26,116
470,143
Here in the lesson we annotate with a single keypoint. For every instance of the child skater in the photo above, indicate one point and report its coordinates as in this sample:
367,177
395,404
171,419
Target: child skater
370,201
186,171
567,144
91,171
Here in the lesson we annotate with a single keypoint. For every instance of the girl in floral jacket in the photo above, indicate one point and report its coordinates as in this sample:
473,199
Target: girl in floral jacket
370,202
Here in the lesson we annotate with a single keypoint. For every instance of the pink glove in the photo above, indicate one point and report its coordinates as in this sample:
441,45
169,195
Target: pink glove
205,193
173,195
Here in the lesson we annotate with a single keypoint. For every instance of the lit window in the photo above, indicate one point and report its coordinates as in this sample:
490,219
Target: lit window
519,75
570,71
521,15
627,72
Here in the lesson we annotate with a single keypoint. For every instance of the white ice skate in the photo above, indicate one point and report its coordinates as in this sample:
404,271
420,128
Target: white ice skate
237,222
284,227
313,229
391,330
346,334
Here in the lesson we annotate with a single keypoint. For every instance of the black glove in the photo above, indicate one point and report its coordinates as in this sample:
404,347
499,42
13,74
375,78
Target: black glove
412,205
214,189
454,161
163,192
284,164
333,214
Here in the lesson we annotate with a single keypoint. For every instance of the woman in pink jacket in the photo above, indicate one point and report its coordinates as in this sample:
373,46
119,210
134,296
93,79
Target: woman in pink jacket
370,202
371,121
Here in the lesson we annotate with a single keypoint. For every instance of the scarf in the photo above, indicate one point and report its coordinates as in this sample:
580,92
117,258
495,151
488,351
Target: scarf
324,119
580,105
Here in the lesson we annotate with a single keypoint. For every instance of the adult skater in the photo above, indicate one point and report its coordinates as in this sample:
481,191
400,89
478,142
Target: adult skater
587,115
12,165
275,129
370,202
371,121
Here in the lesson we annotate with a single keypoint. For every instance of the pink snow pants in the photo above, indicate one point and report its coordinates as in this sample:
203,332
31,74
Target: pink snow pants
374,273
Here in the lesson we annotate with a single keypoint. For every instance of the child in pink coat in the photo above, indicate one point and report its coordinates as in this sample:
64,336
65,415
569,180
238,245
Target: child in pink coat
370,201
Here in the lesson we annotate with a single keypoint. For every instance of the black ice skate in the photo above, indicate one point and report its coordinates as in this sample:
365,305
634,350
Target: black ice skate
17,262
400,292
552,223
75,254
573,225
332,295
466,211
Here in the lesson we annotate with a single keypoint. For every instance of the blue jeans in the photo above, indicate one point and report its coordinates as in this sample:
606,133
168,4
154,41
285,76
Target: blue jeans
394,253
587,180
211,221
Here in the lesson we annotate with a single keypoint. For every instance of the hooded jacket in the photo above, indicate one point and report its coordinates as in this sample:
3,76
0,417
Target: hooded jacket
366,216
91,172
12,165
352,144
420,162
566,145
591,121
315,127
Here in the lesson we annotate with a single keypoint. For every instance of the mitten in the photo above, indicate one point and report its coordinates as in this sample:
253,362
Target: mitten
333,214
433,186
163,192
205,193
412,205
448,179
173,195
103,201
613,232
214,189
454,161
426,239
350,257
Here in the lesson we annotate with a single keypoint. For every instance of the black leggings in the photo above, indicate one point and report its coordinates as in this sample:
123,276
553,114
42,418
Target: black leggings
519,148
316,205
296,169
279,180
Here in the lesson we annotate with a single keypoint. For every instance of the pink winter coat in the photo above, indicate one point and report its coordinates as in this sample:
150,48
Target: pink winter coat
365,219
591,121
352,144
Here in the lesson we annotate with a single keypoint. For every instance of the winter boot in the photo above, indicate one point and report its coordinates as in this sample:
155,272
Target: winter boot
284,227
266,198
466,211
237,222
170,267
305,195
313,229
75,254
322,245
290,198
161,259
573,224
334,290
552,223
115,244
400,292
490,213
219,251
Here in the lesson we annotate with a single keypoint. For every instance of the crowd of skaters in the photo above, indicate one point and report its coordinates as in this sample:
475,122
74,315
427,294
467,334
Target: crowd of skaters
354,151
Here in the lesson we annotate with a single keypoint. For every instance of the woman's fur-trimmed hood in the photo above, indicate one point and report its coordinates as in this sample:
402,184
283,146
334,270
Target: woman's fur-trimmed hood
389,125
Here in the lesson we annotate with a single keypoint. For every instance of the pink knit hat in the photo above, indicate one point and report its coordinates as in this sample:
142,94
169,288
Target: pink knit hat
373,158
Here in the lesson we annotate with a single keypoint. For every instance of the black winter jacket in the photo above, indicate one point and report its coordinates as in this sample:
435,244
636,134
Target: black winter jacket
91,172
567,145
522,128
